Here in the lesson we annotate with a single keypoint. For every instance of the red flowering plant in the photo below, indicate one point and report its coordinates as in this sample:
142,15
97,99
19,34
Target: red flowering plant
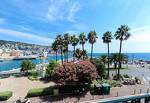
81,72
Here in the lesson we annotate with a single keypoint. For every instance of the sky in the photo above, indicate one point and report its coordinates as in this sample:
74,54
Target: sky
39,21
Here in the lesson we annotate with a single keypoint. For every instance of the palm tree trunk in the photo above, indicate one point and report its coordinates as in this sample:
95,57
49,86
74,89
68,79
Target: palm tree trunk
67,53
82,50
61,56
56,56
74,54
115,66
91,51
108,60
119,59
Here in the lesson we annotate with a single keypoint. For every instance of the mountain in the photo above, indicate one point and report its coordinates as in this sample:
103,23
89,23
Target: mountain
22,46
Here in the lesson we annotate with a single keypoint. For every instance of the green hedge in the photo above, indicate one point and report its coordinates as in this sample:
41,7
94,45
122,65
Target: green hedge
63,89
5,95
40,92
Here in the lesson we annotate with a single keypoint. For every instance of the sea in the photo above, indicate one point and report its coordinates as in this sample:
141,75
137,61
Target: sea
15,64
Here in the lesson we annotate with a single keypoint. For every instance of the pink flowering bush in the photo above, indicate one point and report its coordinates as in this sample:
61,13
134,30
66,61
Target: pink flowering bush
81,72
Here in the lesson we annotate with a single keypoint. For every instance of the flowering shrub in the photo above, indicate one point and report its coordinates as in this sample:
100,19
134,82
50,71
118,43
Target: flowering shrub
83,71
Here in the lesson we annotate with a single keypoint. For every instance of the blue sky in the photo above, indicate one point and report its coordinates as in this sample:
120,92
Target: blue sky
39,21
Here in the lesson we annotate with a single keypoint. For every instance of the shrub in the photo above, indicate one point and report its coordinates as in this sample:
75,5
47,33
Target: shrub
126,76
82,72
137,80
113,83
33,75
50,67
72,89
86,71
40,92
100,67
5,95
116,77
27,65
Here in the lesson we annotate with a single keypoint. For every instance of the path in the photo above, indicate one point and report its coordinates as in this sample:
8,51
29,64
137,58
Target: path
20,86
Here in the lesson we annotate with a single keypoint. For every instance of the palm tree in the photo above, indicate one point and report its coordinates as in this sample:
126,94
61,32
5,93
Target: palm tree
55,48
103,58
60,43
115,59
121,34
65,51
78,53
92,39
82,40
74,42
107,39
84,54
66,42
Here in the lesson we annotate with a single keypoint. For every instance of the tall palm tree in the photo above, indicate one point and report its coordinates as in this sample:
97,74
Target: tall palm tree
60,43
55,48
122,34
74,42
107,39
82,40
66,42
78,53
92,39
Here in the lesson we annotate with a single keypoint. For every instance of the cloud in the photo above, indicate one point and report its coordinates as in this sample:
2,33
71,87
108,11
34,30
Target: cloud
32,38
46,10
73,10
138,42
62,10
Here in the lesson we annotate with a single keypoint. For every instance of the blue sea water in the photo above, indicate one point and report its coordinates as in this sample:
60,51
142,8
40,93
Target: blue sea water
14,64
134,56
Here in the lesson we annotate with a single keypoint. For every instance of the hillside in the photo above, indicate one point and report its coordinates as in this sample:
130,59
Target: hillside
21,46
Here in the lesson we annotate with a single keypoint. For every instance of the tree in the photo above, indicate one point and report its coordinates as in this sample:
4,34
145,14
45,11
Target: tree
74,42
82,40
55,48
50,67
27,65
80,72
121,34
84,54
66,42
60,44
107,39
92,39
65,50
99,67
115,59
103,58
78,53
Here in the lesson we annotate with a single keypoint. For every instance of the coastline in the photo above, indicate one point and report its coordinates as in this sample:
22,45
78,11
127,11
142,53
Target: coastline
17,70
